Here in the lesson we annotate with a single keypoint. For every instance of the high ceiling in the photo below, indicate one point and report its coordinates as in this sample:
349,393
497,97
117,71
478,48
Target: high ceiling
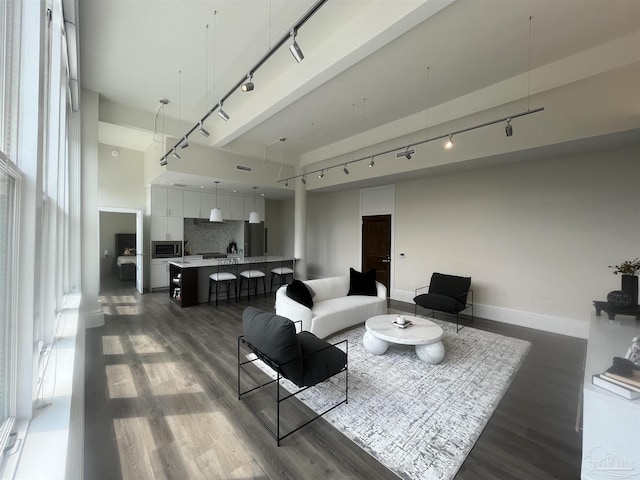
365,63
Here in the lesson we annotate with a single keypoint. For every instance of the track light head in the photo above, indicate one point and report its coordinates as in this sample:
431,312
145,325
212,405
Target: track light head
294,48
449,144
184,143
203,132
508,129
304,180
321,174
286,183
408,153
371,163
345,170
175,154
248,85
163,162
221,113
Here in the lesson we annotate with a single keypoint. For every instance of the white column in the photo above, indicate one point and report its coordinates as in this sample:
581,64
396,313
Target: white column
300,229
90,309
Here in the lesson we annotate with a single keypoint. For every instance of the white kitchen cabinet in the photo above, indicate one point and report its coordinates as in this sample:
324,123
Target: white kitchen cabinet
167,228
200,204
160,272
224,205
236,208
207,203
191,204
248,207
167,202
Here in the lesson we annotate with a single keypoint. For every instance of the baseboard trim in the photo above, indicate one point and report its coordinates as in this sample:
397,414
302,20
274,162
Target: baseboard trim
538,321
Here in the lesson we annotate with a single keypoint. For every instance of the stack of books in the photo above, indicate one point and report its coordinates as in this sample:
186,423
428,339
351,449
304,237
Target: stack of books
627,387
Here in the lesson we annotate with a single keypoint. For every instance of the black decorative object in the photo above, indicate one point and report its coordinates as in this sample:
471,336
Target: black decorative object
630,286
618,298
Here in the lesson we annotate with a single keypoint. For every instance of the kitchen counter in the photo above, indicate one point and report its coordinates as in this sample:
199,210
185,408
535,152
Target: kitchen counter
190,276
198,261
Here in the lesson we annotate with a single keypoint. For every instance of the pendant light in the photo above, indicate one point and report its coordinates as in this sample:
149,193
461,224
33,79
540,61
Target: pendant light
254,217
216,213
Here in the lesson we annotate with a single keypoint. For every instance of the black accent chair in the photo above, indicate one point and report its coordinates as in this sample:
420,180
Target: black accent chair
446,293
301,358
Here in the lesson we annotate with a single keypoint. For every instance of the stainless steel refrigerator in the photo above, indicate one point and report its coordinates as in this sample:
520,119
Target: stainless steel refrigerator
253,239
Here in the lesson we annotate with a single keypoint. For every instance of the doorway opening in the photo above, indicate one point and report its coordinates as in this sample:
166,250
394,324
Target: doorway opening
121,249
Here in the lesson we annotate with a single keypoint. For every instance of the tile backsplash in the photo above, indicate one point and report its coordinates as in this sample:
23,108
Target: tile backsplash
211,237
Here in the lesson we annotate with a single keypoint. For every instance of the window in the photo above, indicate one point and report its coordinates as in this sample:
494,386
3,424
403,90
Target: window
38,176
7,312
8,218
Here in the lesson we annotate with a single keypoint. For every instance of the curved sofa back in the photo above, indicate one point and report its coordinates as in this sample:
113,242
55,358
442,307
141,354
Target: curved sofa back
327,288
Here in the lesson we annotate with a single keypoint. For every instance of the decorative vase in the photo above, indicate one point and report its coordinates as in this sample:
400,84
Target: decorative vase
630,286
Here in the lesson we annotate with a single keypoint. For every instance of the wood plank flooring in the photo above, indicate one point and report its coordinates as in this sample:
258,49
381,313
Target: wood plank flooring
160,400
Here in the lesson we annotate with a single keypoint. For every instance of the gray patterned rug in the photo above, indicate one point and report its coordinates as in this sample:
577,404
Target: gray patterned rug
421,420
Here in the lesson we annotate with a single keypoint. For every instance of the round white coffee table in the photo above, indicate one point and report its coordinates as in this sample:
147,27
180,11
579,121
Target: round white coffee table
422,333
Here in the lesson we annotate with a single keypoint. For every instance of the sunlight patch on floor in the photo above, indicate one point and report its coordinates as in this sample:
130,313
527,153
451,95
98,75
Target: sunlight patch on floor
170,378
119,304
145,344
127,310
202,436
135,440
112,345
120,381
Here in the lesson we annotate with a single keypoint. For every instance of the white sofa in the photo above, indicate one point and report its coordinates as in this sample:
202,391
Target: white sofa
333,310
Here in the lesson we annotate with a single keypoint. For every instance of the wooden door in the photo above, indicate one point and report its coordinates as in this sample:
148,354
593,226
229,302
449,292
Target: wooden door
376,247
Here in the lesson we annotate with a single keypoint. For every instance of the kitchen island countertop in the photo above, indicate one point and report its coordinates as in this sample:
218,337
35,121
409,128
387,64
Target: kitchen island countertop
213,262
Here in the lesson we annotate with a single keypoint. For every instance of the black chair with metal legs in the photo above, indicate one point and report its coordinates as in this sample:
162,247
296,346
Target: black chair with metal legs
446,293
287,267
301,358
257,270
227,274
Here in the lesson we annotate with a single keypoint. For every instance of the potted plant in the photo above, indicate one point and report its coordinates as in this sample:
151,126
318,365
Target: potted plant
629,270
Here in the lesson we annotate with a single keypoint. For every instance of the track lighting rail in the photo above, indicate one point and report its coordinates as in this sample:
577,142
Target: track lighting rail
276,46
406,147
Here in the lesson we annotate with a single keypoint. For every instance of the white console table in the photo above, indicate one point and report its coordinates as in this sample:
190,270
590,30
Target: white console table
611,424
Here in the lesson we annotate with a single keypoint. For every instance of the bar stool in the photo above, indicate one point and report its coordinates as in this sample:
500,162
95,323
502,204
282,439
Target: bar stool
287,267
226,274
257,269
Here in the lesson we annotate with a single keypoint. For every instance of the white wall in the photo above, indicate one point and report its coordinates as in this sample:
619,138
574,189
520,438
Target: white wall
121,179
537,238
333,233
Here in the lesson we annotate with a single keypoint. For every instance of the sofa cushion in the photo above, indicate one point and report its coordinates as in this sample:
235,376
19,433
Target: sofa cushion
362,283
321,360
442,303
275,337
299,292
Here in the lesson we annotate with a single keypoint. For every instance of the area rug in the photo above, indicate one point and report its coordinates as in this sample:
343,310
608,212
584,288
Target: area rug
420,420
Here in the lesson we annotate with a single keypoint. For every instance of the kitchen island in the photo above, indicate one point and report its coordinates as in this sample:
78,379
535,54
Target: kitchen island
189,276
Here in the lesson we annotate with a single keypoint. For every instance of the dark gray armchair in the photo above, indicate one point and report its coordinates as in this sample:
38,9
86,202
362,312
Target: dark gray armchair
446,293
301,358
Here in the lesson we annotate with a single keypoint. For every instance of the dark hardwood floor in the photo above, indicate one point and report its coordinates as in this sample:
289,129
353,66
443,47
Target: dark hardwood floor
160,401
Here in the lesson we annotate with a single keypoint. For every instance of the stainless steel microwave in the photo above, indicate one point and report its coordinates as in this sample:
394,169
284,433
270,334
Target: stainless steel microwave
166,249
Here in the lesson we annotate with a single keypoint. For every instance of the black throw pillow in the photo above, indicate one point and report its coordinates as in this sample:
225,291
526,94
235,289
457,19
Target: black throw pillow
362,283
299,292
